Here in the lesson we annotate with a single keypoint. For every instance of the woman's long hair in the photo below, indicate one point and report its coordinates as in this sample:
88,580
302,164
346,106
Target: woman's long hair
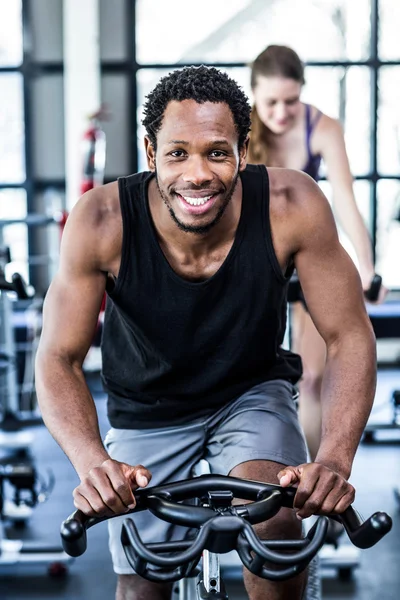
274,61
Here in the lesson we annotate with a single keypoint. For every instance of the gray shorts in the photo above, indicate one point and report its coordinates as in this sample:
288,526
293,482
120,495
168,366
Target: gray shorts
261,424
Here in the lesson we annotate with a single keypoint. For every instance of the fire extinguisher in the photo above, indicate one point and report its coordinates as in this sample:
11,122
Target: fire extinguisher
94,152
94,158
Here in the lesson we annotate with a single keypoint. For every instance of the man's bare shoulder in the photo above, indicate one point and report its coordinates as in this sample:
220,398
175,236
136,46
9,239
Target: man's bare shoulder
291,189
94,226
297,206
100,206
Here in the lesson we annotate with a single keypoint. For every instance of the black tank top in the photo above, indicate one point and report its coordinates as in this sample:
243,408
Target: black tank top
174,350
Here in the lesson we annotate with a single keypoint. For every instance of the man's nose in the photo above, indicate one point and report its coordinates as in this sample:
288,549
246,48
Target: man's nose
197,171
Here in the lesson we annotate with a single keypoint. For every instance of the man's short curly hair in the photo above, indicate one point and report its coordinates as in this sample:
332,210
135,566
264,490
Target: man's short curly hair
202,84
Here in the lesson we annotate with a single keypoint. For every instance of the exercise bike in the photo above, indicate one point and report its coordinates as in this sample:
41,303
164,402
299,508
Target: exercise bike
221,528
21,486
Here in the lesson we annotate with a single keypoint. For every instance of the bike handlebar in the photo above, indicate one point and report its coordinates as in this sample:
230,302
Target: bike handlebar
222,528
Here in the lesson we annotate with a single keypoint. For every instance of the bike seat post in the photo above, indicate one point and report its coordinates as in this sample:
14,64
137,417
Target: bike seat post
211,572
211,585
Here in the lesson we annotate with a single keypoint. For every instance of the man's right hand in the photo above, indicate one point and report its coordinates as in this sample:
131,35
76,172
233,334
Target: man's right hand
107,490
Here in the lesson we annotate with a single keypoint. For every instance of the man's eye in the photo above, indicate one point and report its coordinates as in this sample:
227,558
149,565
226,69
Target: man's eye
217,154
177,153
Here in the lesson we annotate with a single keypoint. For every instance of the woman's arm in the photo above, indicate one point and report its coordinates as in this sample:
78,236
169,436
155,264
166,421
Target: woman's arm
329,141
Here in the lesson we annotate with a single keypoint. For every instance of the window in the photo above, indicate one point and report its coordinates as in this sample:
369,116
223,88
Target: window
240,29
389,19
13,200
388,232
15,235
12,148
10,33
352,72
344,78
389,121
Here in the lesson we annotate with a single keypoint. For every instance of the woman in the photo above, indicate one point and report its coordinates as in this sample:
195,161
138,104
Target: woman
288,133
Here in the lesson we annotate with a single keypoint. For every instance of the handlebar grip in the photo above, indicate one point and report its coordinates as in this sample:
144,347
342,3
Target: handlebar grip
20,287
372,293
73,529
367,534
6,285
73,533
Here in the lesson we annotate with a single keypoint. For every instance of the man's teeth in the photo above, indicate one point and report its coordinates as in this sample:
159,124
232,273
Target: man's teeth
196,201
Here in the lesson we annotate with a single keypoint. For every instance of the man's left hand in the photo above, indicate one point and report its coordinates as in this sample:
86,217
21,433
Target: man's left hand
320,490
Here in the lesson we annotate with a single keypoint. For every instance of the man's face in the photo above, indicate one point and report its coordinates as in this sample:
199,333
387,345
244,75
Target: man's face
197,162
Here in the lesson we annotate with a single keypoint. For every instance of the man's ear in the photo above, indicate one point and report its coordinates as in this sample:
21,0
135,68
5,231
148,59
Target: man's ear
150,153
243,154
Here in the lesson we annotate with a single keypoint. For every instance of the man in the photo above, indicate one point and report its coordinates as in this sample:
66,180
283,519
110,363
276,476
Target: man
196,256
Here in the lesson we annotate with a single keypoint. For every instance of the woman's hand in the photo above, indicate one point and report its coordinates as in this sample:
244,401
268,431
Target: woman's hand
367,281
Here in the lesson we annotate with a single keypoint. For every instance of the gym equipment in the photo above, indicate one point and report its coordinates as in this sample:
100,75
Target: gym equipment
37,220
28,492
11,389
385,320
372,427
222,527
21,487
397,495
372,293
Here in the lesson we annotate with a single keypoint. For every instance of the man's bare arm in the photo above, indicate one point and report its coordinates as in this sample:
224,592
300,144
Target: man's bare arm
70,315
333,292
334,296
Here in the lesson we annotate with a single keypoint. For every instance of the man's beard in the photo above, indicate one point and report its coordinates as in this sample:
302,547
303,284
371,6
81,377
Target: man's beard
198,229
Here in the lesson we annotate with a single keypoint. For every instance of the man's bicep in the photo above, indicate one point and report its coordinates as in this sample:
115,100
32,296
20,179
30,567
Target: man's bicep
70,315
329,279
74,298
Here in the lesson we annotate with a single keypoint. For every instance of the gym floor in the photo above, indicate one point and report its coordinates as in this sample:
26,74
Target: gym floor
376,472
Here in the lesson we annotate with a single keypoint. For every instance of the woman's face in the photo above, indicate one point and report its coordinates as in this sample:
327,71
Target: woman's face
277,100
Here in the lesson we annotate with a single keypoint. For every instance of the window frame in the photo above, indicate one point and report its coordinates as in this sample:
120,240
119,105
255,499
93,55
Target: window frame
130,67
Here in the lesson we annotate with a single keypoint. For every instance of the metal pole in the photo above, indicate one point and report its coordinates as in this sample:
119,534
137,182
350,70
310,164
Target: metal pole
133,100
375,64
26,71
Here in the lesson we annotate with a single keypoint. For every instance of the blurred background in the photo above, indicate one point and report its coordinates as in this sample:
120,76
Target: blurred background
63,61
353,73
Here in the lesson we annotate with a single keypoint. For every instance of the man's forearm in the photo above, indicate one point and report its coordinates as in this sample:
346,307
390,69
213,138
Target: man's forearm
348,391
69,412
